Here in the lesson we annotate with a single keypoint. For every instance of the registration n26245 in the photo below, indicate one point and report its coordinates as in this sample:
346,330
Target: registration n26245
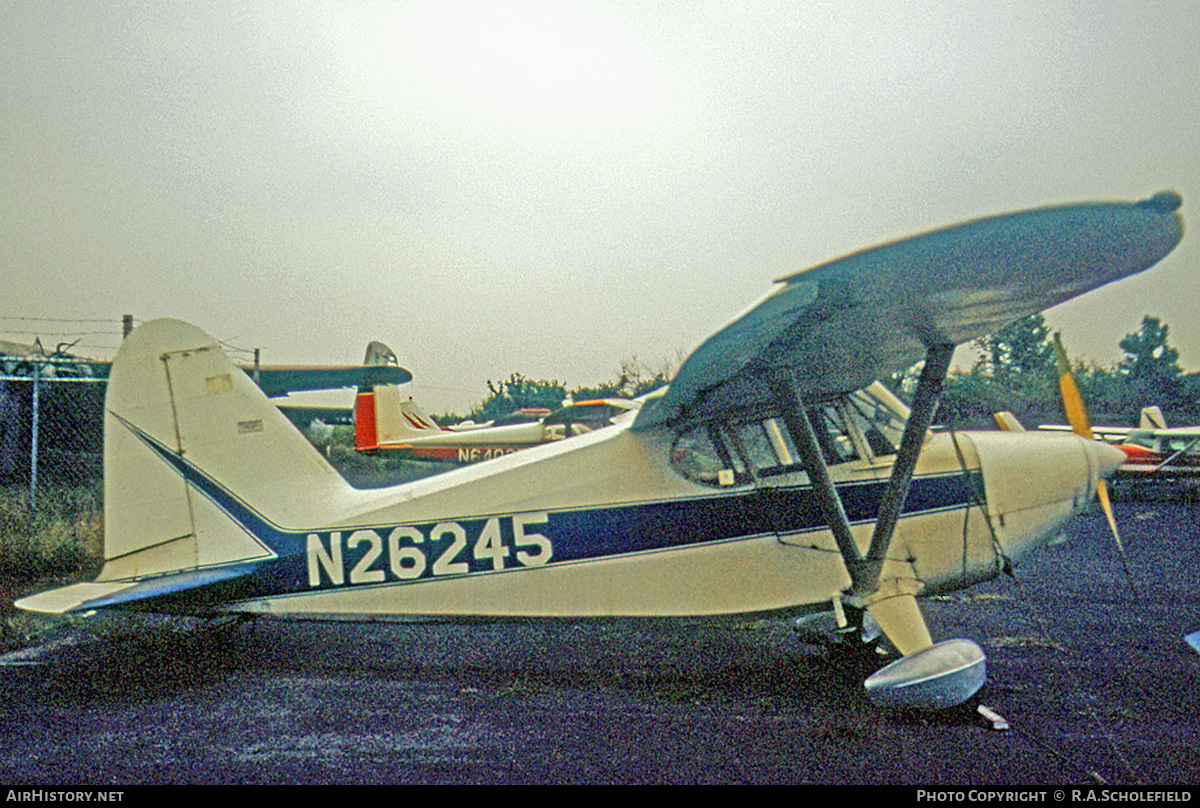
377,555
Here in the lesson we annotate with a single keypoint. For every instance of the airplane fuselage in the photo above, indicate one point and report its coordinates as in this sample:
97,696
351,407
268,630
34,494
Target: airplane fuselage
612,528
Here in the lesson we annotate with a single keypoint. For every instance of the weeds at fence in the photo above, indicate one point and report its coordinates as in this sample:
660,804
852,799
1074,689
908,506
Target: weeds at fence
55,539
58,533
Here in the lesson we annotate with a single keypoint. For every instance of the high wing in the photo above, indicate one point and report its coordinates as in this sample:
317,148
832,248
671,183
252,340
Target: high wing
841,325
283,379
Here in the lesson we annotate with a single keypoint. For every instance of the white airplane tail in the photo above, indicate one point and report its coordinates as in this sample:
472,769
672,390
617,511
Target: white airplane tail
382,416
190,446
1008,422
1152,418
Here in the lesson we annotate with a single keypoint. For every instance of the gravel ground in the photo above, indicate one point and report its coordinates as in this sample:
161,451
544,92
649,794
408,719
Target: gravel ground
1096,681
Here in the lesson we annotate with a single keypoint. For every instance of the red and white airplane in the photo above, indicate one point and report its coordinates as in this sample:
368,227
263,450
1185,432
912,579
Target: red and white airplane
1153,451
1164,453
387,423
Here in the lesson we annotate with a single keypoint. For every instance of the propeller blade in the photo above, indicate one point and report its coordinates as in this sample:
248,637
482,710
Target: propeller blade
1077,417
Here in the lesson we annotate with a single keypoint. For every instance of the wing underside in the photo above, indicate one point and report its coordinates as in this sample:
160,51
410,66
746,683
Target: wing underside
843,324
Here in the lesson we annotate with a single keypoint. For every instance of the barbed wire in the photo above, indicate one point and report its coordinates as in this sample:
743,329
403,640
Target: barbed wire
22,319
60,331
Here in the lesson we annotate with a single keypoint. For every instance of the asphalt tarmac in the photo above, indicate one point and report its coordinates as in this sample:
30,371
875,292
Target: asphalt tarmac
1096,682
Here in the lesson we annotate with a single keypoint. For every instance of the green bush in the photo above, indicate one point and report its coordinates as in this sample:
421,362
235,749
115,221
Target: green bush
59,533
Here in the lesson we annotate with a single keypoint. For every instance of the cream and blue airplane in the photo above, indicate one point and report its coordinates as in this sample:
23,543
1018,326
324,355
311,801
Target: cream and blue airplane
772,477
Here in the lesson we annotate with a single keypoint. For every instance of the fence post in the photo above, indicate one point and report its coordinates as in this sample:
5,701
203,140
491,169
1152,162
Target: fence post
33,434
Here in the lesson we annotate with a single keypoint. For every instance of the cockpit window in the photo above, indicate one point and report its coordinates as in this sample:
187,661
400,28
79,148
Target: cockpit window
728,453
725,451
758,449
879,425
698,458
832,434
1141,438
1178,444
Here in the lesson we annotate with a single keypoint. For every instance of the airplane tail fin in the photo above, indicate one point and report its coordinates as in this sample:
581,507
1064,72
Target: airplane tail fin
198,463
1008,422
382,417
1152,418
200,469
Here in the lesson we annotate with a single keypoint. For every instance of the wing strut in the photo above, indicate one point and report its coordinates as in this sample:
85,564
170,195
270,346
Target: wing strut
929,675
795,417
929,391
864,570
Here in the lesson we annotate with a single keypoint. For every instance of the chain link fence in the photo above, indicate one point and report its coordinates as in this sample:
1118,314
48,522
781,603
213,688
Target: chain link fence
51,423
51,469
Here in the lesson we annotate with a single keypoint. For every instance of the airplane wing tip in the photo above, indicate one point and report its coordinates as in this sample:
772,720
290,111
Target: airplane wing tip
1163,202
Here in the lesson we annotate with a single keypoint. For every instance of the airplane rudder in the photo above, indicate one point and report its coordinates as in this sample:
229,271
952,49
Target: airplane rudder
145,501
181,418
366,430
1152,418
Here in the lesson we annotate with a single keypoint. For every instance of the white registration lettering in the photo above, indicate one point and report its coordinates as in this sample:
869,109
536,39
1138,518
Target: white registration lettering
491,545
330,561
407,561
445,564
523,539
362,572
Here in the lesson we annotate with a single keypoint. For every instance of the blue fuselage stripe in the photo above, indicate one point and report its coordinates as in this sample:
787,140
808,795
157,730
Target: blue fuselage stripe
575,535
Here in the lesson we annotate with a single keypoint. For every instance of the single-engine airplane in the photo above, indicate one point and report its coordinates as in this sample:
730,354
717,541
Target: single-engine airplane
1161,454
1150,418
379,367
768,478
1153,450
387,423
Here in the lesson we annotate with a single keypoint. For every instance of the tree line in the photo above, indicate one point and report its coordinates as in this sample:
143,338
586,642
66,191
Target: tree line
1016,370
519,392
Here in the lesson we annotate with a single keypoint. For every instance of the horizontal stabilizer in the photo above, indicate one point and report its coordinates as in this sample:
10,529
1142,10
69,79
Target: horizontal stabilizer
88,596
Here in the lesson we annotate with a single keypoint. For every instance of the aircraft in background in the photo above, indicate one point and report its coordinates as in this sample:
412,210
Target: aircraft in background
379,367
768,478
1153,450
1161,453
387,423
1150,418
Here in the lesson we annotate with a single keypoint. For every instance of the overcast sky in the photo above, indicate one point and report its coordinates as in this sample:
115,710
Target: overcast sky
551,187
